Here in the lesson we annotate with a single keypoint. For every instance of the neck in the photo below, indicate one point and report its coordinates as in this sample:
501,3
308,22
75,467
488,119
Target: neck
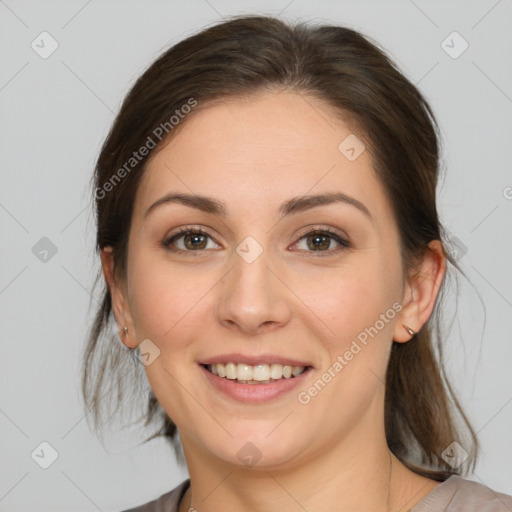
357,475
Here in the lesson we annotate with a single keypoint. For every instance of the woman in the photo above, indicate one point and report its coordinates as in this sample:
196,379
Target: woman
269,238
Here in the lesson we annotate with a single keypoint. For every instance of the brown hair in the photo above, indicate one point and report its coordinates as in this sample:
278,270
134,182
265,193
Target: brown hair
246,55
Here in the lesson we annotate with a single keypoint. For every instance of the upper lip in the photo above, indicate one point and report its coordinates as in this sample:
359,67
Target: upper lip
254,360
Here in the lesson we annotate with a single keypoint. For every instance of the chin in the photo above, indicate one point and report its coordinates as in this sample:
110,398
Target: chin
259,449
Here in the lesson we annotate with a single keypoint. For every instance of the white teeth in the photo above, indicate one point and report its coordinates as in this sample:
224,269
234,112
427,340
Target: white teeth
297,370
260,373
276,371
230,371
243,372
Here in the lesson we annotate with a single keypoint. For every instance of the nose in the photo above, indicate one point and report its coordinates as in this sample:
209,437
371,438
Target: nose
253,297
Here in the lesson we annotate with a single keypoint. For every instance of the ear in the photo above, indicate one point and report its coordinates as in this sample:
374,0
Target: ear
421,292
120,304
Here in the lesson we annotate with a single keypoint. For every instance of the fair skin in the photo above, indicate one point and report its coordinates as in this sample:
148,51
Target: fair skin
292,301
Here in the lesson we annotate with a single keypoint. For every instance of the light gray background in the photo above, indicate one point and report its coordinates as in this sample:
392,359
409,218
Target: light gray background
54,114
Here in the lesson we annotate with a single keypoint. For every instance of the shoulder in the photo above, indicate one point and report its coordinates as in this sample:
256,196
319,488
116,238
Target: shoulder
167,502
456,494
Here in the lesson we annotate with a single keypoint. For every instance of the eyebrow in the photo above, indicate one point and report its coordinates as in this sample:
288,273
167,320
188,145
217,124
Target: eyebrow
294,205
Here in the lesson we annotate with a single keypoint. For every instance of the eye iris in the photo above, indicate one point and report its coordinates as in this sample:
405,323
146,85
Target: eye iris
322,240
195,241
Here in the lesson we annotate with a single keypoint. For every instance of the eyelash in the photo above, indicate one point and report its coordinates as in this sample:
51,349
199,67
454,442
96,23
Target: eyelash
343,243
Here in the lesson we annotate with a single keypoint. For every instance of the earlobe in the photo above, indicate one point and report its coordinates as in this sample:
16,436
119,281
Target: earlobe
117,294
421,293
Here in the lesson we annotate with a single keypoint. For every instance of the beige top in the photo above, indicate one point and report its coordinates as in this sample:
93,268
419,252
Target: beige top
456,494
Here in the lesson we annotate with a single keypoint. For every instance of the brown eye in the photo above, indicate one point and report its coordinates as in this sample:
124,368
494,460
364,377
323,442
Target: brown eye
188,240
318,242
195,241
322,241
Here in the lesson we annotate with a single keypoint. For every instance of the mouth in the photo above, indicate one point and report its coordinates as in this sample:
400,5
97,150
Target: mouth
263,373
254,379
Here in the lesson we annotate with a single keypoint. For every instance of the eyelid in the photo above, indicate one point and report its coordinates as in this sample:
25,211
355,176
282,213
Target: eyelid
319,228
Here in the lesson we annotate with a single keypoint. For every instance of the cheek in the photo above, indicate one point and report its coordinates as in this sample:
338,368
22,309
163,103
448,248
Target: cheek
349,301
355,313
168,307
164,299
358,311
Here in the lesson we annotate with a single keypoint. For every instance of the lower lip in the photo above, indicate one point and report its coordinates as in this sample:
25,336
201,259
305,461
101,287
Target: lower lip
254,393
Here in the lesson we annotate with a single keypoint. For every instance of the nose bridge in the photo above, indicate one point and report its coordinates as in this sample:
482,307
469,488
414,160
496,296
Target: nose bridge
251,294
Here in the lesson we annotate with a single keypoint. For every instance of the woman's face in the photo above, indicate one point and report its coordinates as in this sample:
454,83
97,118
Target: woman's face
275,278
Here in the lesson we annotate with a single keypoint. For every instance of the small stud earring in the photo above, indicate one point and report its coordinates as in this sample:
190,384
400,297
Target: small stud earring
125,331
409,330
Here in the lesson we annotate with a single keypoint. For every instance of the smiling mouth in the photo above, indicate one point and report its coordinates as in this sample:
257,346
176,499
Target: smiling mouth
258,374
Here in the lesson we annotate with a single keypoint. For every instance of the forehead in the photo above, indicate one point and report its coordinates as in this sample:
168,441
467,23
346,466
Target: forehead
259,151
